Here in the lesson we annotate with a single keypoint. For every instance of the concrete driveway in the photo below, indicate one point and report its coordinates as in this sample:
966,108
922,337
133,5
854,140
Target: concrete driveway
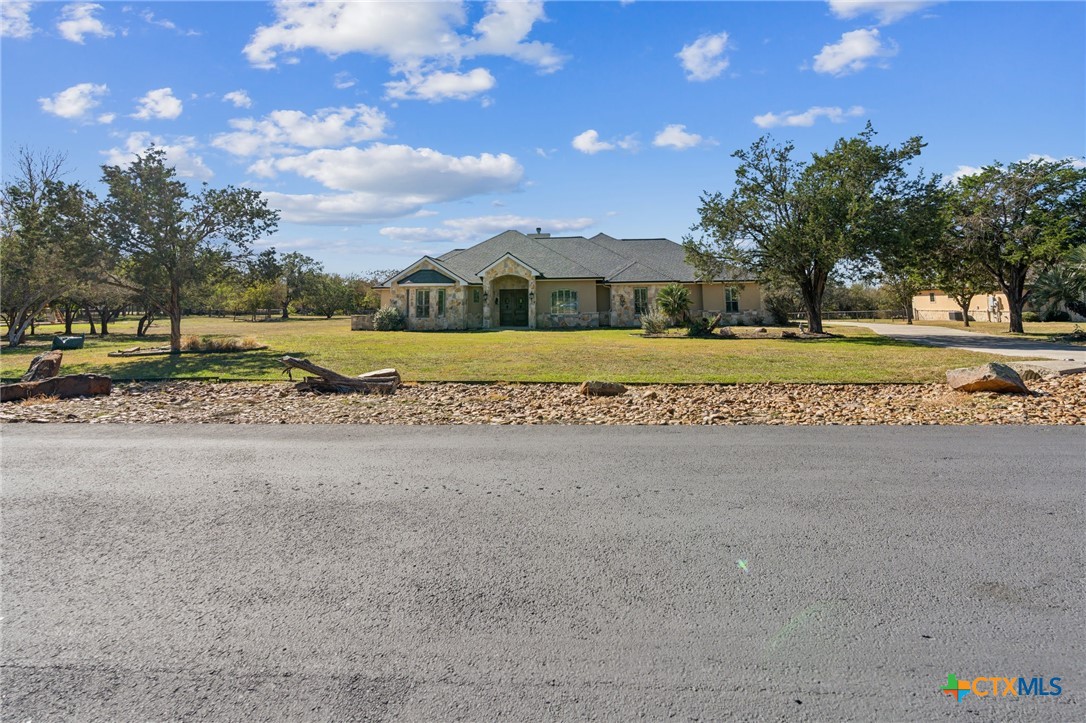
971,341
315,573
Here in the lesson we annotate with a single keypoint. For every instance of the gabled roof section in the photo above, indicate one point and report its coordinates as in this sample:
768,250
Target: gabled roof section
417,266
427,276
503,257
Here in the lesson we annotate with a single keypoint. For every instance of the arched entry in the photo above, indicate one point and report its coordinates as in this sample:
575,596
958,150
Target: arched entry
511,297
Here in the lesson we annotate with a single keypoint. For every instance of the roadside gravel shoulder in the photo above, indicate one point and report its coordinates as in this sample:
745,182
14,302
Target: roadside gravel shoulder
1059,400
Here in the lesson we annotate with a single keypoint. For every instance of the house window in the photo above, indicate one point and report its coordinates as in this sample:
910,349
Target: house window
475,295
422,304
441,303
731,300
931,298
641,300
564,301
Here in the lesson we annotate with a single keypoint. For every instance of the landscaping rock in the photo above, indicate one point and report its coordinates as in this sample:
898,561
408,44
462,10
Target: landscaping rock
43,366
72,385
602,389
991,377
1032,372
1058,400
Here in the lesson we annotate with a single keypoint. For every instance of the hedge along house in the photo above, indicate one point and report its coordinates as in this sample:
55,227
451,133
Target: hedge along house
536,281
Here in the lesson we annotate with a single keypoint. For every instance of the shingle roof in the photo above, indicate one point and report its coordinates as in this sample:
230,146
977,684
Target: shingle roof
576,257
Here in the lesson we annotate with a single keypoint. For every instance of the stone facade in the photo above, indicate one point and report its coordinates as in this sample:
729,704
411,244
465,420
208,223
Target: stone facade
584,320
362,322
403,298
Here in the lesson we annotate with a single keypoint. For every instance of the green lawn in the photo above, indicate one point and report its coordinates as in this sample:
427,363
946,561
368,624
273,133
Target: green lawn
514,356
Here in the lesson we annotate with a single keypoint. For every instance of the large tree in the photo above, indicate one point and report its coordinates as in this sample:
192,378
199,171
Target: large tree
803,222
171,237
1017,221
914,224
48,233
299,273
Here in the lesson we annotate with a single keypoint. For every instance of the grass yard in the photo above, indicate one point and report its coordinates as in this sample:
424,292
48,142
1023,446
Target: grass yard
1040,330
623,355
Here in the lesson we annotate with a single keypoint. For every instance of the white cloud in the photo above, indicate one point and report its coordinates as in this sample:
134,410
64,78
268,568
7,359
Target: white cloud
76,102
422,41
239,98
106,118
158,104
675,136
15,19
704,58
441,85
589,142
285,131
502,31
887,11
343,80
472,230
179,153
386,181
807,118
77,21
853,52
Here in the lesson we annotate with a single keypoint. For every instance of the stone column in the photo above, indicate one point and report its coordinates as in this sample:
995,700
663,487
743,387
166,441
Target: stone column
531,303
487,301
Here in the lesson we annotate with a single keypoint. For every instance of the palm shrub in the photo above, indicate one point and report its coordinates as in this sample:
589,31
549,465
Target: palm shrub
674,300
1063,285
389,318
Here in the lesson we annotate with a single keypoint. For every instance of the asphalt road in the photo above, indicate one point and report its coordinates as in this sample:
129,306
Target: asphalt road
338,573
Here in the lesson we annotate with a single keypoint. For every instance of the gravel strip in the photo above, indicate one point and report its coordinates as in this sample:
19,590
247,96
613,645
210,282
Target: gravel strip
1059,400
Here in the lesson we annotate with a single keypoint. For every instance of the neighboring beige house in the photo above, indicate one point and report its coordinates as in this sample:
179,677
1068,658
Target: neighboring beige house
537,281
934,305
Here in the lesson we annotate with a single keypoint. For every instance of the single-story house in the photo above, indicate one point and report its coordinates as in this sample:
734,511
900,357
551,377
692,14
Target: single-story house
539,281
935,305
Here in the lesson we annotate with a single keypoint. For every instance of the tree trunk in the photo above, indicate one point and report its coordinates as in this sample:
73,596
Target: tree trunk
175,316
90,320
909,312
69,317
1015,308
103,316
812,303
145,323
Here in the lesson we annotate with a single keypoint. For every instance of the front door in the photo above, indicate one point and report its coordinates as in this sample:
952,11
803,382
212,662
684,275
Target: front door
513,307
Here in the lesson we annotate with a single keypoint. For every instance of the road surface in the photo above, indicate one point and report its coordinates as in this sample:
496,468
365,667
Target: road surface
483,573
973,341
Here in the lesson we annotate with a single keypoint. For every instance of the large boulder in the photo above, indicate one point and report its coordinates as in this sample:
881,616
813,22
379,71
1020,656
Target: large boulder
72,385
43,366
602,389
987,378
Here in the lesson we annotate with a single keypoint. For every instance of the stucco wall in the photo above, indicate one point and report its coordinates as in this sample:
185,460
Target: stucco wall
586,304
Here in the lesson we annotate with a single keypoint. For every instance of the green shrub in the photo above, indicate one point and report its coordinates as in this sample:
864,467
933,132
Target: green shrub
654,321
389,318
698,327
1030,316
1057,315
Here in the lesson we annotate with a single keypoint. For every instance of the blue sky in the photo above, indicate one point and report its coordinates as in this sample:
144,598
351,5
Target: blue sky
388,130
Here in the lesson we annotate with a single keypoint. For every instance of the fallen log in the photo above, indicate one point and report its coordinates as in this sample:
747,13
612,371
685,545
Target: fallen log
72,385
43,366
383,381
